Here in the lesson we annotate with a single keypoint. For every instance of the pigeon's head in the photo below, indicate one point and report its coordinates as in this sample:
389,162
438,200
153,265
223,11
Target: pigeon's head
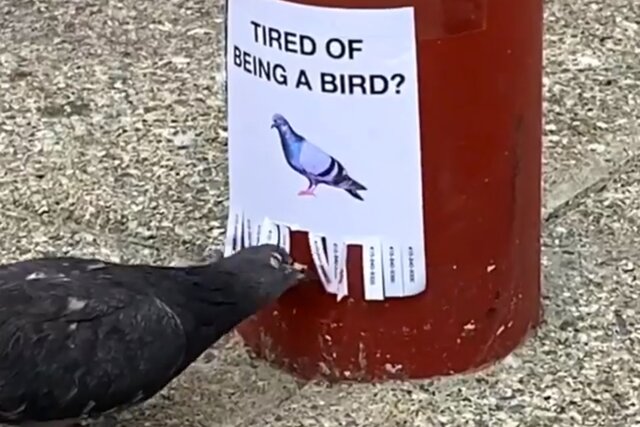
263,273
279,122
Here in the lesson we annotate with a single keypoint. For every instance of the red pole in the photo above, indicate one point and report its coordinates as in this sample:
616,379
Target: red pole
480,65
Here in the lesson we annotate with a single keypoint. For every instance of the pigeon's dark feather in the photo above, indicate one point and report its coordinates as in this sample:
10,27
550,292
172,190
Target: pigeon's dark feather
80,337
73,345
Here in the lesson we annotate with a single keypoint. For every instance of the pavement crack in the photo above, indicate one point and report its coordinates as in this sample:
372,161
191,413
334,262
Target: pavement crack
589,188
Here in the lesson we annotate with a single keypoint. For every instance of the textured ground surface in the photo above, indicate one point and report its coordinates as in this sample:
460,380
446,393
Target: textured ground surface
112,142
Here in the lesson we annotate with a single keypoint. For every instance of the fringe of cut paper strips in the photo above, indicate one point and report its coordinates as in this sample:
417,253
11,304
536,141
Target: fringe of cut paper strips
389,270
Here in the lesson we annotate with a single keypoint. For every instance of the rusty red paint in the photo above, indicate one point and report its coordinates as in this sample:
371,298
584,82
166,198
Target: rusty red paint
480,102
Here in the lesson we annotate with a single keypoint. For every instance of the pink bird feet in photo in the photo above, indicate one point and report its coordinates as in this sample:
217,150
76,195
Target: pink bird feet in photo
307,192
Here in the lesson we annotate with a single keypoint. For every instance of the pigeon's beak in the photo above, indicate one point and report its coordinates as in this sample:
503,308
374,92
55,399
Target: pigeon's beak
273,125
300,270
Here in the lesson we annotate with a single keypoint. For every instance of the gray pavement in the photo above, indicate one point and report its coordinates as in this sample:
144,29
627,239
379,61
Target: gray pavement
112,137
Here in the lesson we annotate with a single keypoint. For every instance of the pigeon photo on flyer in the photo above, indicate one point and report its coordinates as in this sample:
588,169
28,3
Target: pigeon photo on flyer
311,162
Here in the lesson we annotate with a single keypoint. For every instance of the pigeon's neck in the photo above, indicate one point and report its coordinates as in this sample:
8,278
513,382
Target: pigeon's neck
288,135
209,303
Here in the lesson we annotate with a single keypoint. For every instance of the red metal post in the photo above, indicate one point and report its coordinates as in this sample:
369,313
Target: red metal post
480,66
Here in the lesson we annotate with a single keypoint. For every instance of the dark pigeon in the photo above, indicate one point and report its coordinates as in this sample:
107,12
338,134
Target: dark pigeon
82,337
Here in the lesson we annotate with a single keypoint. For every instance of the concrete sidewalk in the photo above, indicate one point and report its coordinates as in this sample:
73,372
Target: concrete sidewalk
113,144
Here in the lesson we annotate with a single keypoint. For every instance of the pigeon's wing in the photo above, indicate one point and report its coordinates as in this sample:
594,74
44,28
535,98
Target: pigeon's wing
324,168
76,341
318,163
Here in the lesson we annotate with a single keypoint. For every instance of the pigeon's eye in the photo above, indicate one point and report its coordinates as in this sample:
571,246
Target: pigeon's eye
276,259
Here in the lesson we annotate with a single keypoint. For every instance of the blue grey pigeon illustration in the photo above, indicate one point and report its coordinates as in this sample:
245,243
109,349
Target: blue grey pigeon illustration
312,162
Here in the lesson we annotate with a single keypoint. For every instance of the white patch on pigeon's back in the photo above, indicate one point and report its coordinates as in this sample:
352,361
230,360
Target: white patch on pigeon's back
137,398
75,304
36,276
96,266
275,260
88,408
14,414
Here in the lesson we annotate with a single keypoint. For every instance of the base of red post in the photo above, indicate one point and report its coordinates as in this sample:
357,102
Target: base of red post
312,336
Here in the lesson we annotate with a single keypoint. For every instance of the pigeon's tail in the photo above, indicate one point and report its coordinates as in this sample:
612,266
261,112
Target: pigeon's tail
352,187
353,184
354,193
